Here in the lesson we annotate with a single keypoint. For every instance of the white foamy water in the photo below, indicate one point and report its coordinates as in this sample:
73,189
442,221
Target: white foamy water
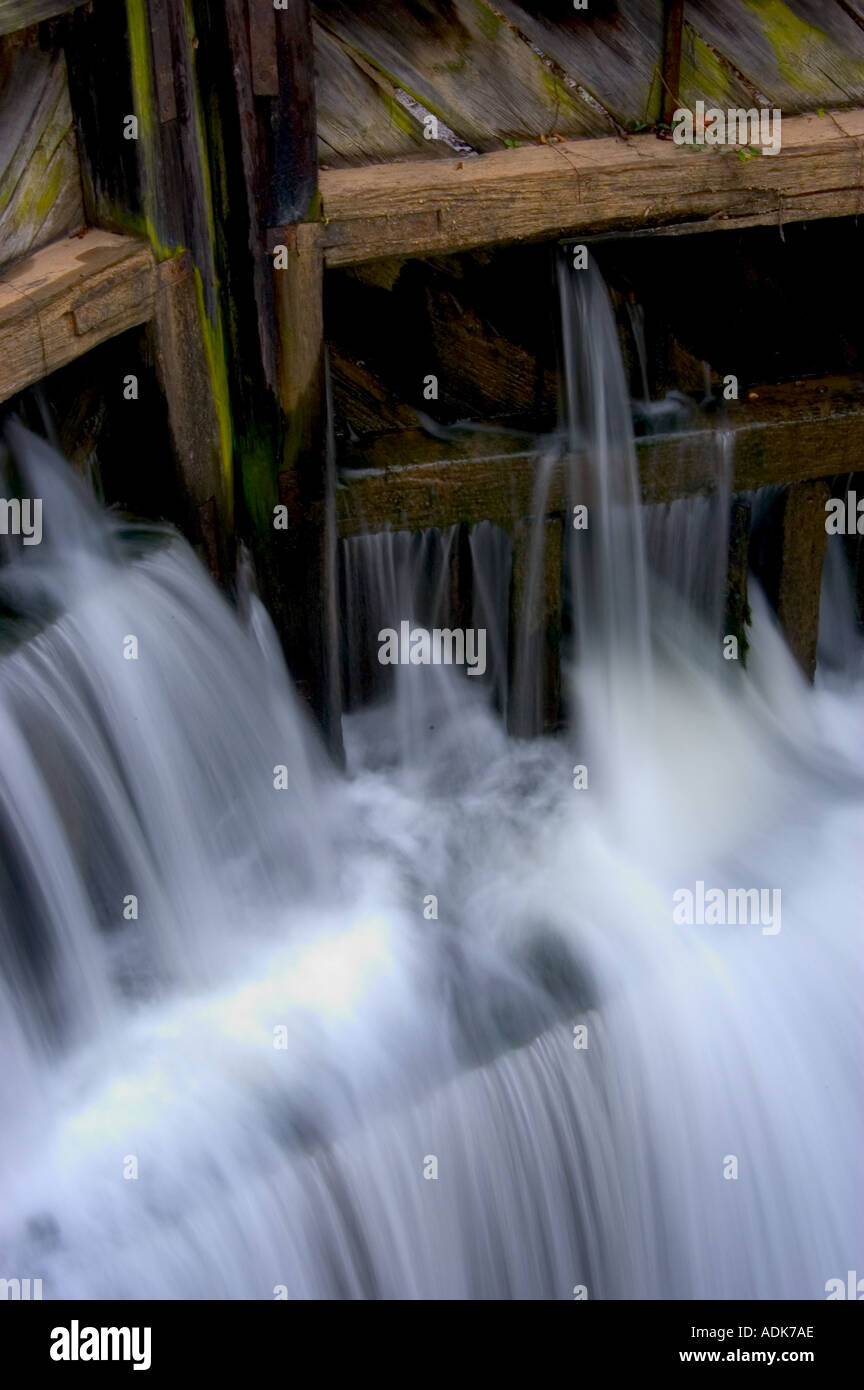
287,1044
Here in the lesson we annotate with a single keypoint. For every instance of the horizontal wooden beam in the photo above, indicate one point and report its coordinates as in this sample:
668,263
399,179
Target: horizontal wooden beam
790,433
584,187
65,299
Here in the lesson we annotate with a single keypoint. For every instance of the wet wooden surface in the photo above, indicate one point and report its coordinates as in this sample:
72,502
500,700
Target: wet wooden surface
789,433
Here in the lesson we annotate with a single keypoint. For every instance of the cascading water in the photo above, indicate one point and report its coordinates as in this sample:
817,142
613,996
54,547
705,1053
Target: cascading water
431,1029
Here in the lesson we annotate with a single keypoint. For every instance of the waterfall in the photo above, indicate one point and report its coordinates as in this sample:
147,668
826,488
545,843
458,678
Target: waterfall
429,1028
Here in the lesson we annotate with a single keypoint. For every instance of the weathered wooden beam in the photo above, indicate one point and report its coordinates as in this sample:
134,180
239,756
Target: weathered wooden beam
790,433
65,299
308,559
133,83
801,558
255,69
184,376
590,186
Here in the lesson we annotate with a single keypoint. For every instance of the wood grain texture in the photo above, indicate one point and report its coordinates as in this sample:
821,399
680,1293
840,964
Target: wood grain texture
614,51
20,14
184,378
64,299
798,54
359,119
790,433
465,65
590,186
40,181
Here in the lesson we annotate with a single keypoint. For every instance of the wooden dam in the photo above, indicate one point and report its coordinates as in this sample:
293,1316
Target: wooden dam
238,240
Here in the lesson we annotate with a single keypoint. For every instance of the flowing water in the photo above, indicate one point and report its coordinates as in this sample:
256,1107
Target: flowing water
428,1028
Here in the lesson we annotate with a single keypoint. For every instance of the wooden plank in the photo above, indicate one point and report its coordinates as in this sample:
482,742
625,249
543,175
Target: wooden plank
801,558
64,299
359,119
590,186
467,67
613,51
184,378
174,177
264,181
20,14
308,546
814,429
96,42
481,373
163,60
262,48
40,183
361,403
798,54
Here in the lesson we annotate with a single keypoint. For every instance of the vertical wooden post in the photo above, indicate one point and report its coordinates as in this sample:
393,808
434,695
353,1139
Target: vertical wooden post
801,560
671,66
137,61
737,615
535,628
263,150
306,483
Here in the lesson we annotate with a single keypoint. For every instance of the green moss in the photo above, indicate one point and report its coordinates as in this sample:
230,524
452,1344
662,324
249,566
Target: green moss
49,190
560,96
487,21
214,352
212,332
799,48
703,75
400,117
258,475
142,80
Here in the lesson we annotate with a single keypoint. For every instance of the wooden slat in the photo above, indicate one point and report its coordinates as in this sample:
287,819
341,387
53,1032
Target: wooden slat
40,181
359,119
788,434
798,54
466,65
588,186
19,14
614,51
63,300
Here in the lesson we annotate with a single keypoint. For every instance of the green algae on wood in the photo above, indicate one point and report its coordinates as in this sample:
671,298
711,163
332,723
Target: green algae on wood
180,219
464,66
797,56
40,187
